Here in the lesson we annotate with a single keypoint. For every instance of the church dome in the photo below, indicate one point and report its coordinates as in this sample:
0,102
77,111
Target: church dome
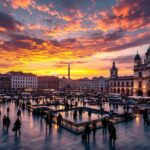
137,56
148,51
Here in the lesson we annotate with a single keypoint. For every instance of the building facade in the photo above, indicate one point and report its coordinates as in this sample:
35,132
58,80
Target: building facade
48,83
23,81
5,83
121,85
142,75
100,84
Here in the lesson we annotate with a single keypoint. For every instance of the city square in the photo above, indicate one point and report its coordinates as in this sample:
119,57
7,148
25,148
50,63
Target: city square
74,75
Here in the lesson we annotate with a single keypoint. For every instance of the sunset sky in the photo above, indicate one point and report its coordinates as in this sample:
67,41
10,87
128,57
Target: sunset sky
43,36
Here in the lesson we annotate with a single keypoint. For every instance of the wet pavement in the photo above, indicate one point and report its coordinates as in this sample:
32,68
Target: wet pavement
130,136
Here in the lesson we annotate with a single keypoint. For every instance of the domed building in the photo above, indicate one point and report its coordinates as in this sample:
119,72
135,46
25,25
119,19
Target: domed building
120,85
142,75
138,84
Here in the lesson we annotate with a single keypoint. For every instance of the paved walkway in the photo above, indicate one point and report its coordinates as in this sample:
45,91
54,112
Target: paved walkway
131,136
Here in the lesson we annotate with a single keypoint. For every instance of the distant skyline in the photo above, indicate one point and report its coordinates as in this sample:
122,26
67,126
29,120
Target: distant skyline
43,36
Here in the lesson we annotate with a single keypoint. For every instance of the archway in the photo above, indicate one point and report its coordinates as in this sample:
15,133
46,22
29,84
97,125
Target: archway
139,93
127,92
148,93
122,91
118,90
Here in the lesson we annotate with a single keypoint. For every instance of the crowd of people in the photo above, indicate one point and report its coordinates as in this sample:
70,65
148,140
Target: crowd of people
6,122
107,127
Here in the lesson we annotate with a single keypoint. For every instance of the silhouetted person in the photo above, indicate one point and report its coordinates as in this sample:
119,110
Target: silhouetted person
50,119
47,121
7,123
89,113
104,125
59,119
23,105
145,117
112,134
87,131
19,113
7,110
80,112
17,126
4,122
76,104
75,114
102,111
94,128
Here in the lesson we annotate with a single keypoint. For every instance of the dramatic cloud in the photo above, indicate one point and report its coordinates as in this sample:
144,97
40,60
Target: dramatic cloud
21,3
126,14
44,36
9,23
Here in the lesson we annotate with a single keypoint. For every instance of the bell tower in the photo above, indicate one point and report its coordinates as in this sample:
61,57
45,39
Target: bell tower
137,60
114,71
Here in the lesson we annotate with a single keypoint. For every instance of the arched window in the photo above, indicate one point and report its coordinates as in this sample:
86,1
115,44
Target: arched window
118,90
140,84
127,83
140,74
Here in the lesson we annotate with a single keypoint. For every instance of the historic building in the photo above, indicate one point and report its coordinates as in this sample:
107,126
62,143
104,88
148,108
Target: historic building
5,83
23,81
48,83
121,85
142,75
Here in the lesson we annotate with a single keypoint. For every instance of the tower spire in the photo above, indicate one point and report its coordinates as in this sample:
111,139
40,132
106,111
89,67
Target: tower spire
68,70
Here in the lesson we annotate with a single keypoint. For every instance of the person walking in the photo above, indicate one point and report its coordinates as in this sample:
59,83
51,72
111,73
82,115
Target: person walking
4,122
112,134
94,129
50,119
7,110
145,117
47,121
104,125
19,113
17,127
7,123
89,114
87,131
59,119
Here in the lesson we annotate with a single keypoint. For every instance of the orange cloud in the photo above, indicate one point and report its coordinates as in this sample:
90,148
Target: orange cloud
2,29
37,27
70,27
21,3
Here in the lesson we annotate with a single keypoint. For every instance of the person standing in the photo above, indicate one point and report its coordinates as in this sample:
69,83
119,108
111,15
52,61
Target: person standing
50,119
4,122
7,123
112,134
7,110
145,116
94,129
89,114
19,113
17,126
104,125
47,121
87,131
